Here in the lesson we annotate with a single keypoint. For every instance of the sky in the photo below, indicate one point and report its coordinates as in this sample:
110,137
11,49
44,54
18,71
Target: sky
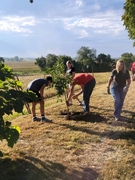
62,27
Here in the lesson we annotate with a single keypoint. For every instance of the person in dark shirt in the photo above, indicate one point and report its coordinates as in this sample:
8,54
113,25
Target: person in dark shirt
119,82
38,86
71,72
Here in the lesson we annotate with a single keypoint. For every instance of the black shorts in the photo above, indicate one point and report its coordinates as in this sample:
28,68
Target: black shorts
35,92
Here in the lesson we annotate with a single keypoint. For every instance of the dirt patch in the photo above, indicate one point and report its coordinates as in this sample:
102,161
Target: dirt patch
81,116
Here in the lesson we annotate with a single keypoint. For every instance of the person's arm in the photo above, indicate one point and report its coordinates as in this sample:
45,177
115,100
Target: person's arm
109,82
71,92
108,85
79,93
42,90
73,74
128,82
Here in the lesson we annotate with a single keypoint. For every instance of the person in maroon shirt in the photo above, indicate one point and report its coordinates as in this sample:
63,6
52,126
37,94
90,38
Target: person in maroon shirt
133,71
87,83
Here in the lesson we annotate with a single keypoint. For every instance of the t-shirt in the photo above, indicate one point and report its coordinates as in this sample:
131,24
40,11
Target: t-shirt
133,67
83,78
119,78
70,71
36,84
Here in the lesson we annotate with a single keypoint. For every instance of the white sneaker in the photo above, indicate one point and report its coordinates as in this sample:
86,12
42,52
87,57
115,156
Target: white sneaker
80,103
70,104
116,119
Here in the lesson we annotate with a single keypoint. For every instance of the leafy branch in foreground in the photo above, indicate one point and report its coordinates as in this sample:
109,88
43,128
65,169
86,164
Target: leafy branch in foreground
11,99
129,18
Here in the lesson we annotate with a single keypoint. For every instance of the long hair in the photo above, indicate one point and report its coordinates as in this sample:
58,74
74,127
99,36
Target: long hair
69,62
117,66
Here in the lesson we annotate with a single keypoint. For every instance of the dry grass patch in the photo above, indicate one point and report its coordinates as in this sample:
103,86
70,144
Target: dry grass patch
93,147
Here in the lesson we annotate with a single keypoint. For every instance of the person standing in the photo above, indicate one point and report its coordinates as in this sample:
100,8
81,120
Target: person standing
87,83
118,85
38,86
71,72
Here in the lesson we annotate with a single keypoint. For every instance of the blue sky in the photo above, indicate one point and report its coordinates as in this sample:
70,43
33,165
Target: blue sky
61,27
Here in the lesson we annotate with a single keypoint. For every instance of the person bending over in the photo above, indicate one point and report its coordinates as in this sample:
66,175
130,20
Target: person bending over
38,86
87,83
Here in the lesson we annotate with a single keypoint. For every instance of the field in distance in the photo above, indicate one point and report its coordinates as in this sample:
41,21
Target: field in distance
23,66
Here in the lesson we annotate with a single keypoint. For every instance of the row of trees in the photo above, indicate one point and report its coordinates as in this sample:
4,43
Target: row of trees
86,61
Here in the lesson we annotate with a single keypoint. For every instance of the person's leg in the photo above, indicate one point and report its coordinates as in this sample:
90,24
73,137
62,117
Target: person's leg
42,110
88,88
116,93
122,98
34,118
33,109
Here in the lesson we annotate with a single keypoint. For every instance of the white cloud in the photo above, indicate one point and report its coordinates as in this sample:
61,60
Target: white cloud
79,3
17,24
99,23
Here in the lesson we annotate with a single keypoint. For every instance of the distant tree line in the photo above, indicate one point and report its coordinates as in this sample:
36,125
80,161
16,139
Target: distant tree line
85,61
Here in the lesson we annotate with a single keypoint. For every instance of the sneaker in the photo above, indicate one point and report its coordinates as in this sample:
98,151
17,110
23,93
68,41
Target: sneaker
116,119
70,104
80,103
44,119
35,119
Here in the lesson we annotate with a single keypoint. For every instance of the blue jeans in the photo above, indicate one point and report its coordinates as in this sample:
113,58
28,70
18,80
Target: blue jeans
118,96
87,91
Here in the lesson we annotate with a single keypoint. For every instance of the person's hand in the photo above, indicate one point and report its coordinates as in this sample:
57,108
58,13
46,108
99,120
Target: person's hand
74,96
108,90
125,89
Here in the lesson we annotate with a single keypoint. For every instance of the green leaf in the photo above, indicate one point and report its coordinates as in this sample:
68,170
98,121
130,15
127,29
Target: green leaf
13,136
18,105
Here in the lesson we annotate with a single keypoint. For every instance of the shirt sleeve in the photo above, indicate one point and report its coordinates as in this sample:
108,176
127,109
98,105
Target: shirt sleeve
112,74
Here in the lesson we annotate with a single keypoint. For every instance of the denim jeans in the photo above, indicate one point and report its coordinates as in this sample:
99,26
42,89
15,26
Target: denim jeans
87,91
119,97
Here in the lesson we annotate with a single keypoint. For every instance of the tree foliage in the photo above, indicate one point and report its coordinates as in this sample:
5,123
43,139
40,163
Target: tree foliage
104,63
60,80
129,18
50,60
128,58
2,59
41,62
86,57
12,98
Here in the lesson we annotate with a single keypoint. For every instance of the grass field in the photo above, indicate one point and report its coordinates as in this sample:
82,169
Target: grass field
25,67
91,147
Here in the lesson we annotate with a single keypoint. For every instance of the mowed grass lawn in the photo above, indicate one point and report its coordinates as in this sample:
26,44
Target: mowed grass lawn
93,147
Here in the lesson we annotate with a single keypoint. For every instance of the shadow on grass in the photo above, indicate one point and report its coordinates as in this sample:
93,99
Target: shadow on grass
128,135
30,168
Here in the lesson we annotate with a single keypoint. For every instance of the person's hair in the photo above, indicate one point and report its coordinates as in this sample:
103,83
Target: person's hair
124,66
49,78
69,62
